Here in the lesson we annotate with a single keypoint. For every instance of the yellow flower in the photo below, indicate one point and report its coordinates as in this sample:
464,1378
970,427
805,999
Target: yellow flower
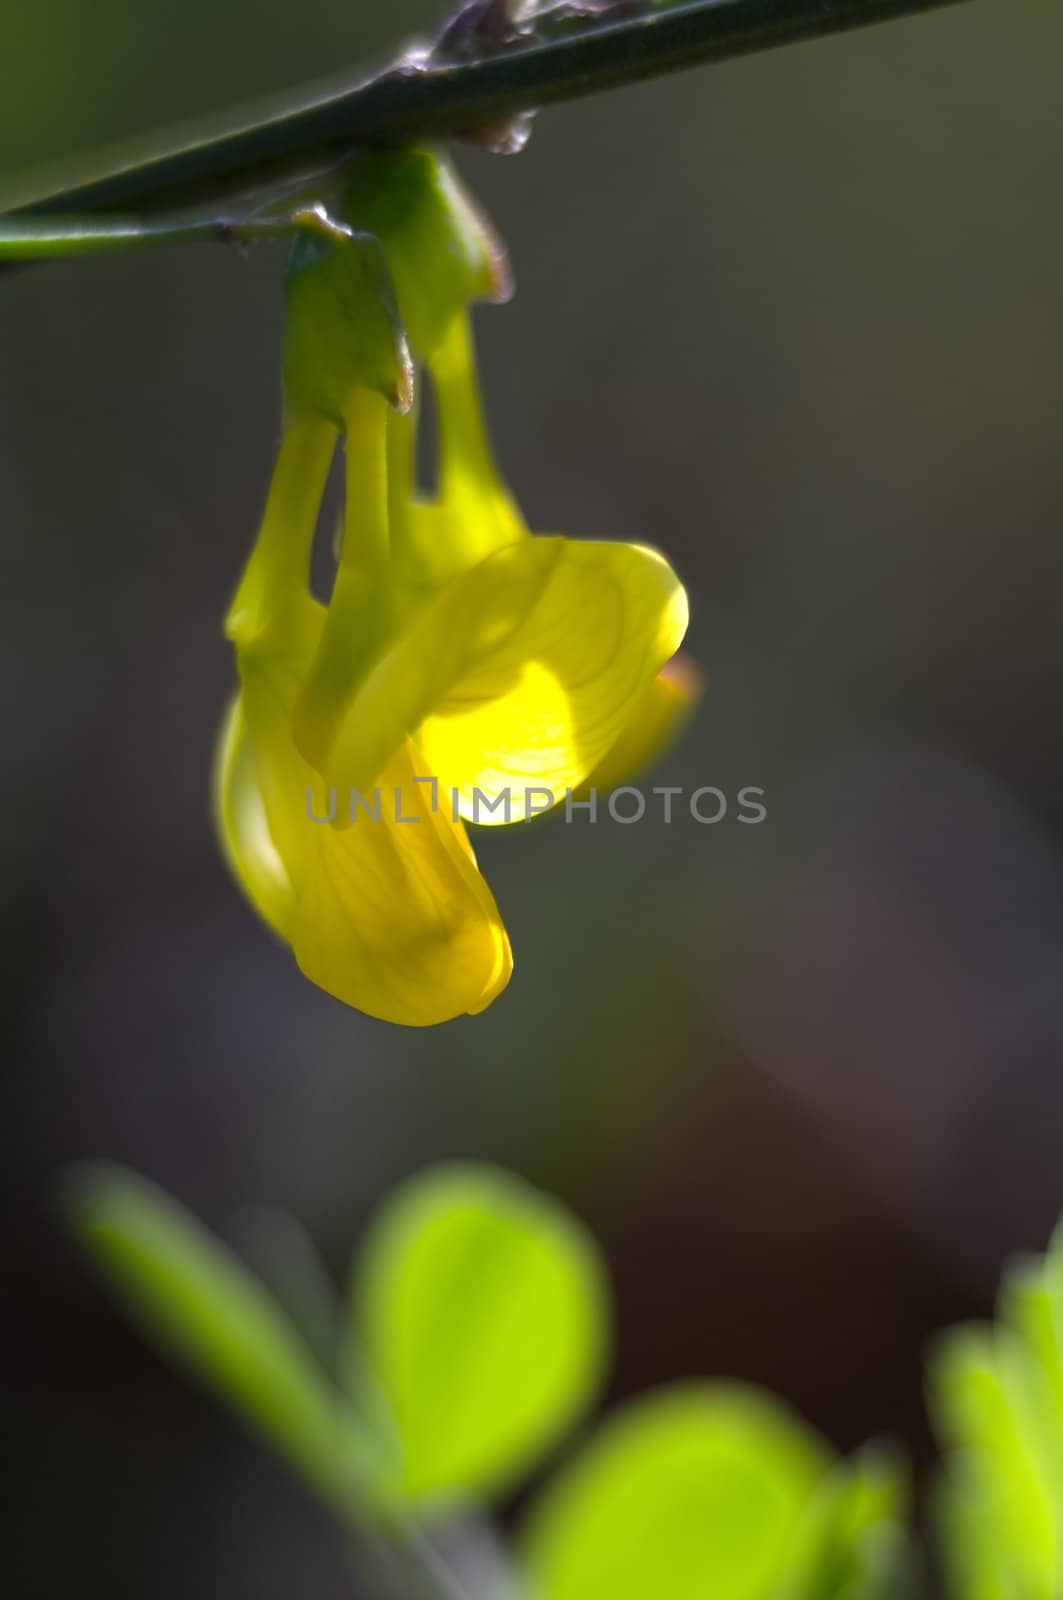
463,668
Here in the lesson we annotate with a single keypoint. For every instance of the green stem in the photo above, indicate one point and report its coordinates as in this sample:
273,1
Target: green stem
465,453
277,575
396,1565
358,620
440,1583
25,239
470,485
437,96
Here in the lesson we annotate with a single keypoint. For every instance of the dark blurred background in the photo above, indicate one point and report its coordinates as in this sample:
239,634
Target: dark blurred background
799,320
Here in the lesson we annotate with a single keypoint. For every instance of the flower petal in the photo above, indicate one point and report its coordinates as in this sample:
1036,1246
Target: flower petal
521,674
390,916
244,827
657,718
393,916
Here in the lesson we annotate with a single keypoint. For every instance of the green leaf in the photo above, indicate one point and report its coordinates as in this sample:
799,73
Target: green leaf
693,1493
1000,1517
217,1323
996,1394
851,1542
978,1566
1031,1305
482,1310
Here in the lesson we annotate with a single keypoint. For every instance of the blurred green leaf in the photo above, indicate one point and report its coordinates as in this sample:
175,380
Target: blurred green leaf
482,1310
1031,1305
999,1516
852,1541
691,1494
996,1394
204,1310
286,1261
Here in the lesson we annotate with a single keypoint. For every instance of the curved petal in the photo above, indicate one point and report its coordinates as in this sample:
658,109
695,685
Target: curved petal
521,674
390,916
244,827
657,718
393,916
434,544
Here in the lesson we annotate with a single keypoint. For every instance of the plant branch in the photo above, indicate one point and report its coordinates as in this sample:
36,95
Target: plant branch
24,238
473,88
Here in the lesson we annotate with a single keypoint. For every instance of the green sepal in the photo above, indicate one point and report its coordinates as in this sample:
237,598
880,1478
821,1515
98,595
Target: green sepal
441,250
343,328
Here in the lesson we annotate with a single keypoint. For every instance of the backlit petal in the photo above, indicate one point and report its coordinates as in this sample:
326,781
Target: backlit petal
390,916
657,718
244,827
521,674
393,916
